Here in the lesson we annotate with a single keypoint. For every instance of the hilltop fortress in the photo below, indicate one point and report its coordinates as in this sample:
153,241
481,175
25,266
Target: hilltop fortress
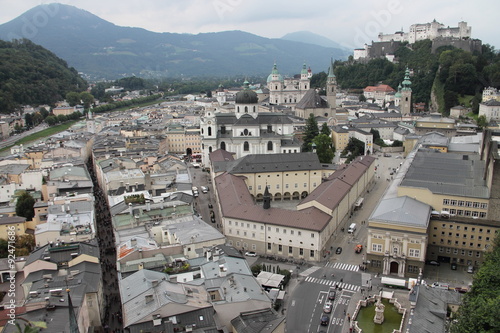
387,44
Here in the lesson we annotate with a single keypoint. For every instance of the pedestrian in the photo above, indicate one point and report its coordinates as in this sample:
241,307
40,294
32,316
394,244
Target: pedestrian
344,312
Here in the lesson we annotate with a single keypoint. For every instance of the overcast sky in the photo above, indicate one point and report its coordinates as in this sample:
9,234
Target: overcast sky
350,23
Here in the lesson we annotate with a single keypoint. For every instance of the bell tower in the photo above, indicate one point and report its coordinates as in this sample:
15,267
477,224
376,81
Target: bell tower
331,88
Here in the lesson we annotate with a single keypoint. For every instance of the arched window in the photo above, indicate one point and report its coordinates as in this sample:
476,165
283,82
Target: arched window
269,145
210,149
246,109
238,109
223,130
223,145
245,131
210,131
202,131
246,146
254,109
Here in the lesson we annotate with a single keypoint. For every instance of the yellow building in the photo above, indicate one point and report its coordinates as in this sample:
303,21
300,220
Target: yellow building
299,234
183,140
340,137
12,225
463,221
435,123
397,236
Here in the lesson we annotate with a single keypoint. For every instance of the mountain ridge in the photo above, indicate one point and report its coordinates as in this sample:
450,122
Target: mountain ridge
100,48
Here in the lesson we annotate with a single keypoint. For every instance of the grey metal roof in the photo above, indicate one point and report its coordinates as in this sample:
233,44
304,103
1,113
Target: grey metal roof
312,100
265,320
402,211
451,174
429,315
275,163
262,118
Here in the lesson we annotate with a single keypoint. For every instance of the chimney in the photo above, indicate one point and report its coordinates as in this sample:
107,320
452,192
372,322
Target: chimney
154,283
133,241
149,298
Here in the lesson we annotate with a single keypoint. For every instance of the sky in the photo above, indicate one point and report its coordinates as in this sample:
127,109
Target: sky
350,23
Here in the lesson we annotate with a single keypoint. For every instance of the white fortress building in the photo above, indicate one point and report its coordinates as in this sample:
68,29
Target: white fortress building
433,30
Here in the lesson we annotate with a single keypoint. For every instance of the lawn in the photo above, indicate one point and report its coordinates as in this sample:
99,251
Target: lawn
43,134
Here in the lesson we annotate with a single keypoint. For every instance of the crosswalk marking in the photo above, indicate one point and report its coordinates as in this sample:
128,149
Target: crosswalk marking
342,266
327,282
309,271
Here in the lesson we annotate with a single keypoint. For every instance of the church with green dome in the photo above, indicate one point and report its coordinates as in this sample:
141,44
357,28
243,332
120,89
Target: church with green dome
288,91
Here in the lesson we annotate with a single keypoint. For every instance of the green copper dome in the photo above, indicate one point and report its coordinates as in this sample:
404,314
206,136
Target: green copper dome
275,73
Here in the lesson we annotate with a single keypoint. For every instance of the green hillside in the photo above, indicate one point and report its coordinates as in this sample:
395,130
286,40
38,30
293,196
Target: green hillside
30,74
451,74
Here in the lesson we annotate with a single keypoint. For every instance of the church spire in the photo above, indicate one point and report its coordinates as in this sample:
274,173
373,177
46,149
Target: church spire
267,198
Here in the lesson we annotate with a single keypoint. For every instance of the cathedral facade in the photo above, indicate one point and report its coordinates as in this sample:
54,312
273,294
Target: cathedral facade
246,130
288,91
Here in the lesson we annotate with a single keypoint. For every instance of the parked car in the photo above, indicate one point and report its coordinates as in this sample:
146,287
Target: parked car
204,189
327,308
331,295
251,254
433,262
324,320
338,250
470,269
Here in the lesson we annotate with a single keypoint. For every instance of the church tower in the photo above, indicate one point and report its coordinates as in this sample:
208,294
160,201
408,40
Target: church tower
208,129
405,103
275,86
331,88
304,78
90,122
267,198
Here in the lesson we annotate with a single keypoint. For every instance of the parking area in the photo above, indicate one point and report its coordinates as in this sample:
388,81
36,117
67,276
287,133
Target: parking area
444,273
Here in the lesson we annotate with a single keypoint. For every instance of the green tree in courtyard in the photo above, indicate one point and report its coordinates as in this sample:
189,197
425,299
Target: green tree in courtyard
324,148
325,129
24,206
310,132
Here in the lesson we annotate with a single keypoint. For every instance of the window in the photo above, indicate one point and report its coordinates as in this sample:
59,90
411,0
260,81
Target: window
246,146
291,232
312,235
280,248
269,246
453,202
413,269
377,247
269,145
301,251
446,201
299,233
414,253
461,203
311,254
290,250
484,205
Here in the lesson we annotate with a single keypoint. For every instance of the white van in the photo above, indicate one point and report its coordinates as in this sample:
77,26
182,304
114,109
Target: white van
352,228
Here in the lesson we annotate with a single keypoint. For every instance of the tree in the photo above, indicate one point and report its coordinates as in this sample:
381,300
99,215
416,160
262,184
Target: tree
209,93
325,129
256,269
310,132
479,311
324,148
375,133
481,121
362,98
4,245
51,120
24,245
354,148
73,98
24,206
87,99
28,120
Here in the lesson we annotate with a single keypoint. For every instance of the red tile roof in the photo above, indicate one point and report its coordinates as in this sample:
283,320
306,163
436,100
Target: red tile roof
379,88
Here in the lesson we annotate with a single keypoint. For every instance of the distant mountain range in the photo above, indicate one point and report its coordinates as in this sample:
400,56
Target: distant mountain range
104,50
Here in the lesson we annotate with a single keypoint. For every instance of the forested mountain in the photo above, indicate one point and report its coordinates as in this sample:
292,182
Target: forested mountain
104,50
453,75
30,74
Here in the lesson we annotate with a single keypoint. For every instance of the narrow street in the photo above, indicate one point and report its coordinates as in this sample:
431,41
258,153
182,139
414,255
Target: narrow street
112,319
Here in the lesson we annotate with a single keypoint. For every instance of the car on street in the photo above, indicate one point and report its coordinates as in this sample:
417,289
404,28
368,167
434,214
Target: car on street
204,189
327,308
324,320
358,248
331,295
470,269
251,254
338,250
433,262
